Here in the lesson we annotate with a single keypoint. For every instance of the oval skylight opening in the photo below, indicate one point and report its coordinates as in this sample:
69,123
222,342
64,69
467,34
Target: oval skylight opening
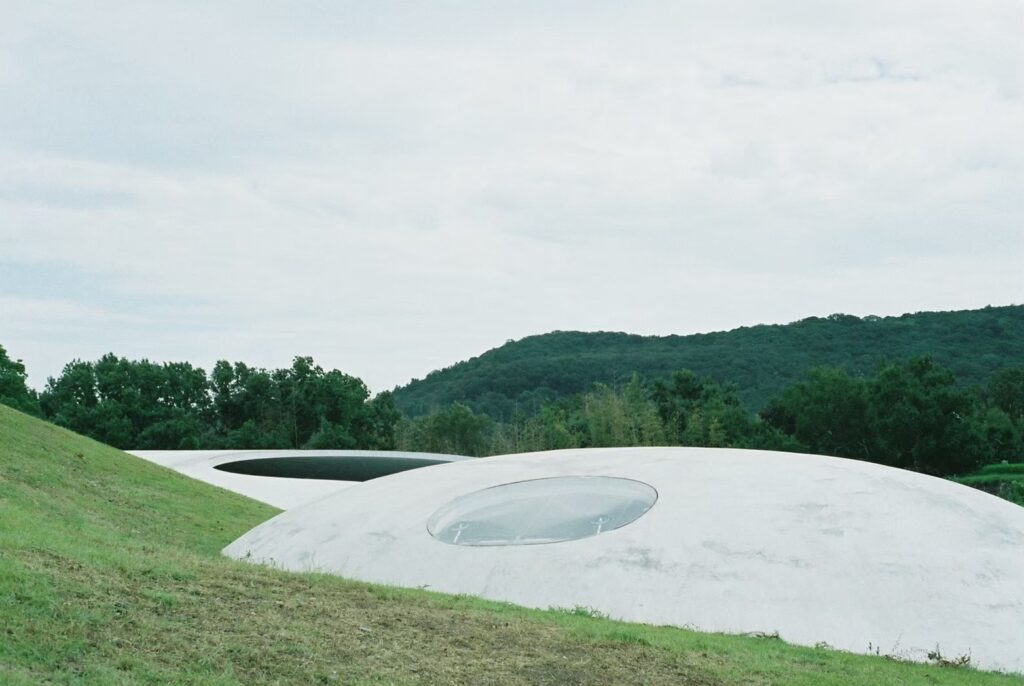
339,468
563,508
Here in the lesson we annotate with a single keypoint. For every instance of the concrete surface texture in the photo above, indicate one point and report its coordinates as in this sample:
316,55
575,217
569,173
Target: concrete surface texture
281,492
819,549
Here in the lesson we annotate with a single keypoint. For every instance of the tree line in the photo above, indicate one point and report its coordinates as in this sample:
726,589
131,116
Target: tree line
175,406
910,415
913,415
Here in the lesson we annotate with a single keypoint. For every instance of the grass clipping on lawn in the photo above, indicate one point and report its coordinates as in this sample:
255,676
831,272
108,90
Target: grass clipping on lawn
110,572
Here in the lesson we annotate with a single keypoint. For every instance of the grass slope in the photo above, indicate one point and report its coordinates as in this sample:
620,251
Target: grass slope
110,573
761,360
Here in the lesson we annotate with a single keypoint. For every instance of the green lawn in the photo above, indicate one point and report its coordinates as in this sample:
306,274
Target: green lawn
1005,480
110,573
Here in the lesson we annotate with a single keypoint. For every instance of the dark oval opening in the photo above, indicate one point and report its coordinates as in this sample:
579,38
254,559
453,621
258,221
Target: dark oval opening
340,468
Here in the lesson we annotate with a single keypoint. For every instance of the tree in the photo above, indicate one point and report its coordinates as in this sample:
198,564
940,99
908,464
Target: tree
131,404
604,418
1006,392
826,412
246,408
1003,436
330,436
700,412
643,423
378,421
676,401
71,399
923,422
557,426
309,397
14,391
453,430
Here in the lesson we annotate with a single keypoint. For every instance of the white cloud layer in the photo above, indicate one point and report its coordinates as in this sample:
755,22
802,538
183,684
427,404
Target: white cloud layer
392,187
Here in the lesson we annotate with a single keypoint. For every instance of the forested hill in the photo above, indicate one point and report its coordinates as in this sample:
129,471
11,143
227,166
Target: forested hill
760,360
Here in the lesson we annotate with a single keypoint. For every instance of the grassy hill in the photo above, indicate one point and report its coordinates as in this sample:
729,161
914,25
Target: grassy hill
761,360
110,574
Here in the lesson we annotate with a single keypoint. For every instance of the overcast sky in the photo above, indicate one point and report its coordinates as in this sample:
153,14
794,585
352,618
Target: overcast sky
394,187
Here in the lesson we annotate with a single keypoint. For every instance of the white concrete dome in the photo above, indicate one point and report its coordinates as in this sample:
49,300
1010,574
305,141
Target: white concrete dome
819,549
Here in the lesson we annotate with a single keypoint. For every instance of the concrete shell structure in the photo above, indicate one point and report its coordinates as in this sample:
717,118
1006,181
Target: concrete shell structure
288,478
819,549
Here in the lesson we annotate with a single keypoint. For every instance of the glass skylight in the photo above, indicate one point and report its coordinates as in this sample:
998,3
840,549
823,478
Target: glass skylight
563,508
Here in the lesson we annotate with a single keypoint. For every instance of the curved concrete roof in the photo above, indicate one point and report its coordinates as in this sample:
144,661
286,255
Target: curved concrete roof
817,548
279,491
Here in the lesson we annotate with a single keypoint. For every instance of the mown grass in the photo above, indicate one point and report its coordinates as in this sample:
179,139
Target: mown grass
1004,479
110,574
1016,468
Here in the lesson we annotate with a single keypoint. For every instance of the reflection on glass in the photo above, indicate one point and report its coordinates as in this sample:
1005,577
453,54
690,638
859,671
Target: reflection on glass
561,508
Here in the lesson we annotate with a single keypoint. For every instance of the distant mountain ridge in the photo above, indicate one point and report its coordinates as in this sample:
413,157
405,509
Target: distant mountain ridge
760,360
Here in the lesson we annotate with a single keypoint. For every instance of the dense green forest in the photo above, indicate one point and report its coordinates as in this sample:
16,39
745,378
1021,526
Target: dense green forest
138,404
910,415
761,361
915,413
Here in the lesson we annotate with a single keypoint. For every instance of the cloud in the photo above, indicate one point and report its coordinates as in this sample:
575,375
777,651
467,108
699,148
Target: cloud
395,187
